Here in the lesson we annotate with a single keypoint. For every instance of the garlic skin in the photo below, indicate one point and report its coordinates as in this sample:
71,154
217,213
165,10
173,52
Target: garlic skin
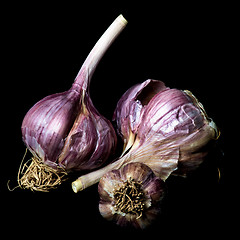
43,130
173,124
90,142
131,195
130,108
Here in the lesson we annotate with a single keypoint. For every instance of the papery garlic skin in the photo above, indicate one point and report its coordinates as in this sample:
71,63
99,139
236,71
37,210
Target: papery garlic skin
90,142
131,106
173,125
44,133
131,195
65,129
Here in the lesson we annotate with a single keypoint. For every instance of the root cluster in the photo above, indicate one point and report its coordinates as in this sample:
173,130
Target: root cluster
130,198
37,176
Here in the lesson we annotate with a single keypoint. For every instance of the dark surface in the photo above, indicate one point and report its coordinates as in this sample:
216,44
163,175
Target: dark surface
187,47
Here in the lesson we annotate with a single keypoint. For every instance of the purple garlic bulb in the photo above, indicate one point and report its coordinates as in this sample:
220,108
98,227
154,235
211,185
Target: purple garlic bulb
171,120
131,195
65,130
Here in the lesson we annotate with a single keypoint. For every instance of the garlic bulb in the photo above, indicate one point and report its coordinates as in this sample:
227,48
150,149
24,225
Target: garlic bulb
64,130
173,121
166,129
131,195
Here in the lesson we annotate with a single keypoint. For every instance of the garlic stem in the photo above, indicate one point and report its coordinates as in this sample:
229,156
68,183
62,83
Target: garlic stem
89,179
85,73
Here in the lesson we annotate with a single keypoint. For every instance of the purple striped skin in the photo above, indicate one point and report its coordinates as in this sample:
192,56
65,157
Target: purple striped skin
43,130
90,141
60,133
169,113
170,123
129,110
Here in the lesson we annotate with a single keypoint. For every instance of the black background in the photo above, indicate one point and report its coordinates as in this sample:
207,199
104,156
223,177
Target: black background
188,46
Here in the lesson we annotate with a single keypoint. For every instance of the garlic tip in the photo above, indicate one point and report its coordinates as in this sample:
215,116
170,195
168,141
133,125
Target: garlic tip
122,19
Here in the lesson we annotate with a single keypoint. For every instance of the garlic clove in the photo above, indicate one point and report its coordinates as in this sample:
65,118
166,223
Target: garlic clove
131,195
195,149
111,180
79,144
105,208
91,140
138,172
106,137
42,128
130,108
155,189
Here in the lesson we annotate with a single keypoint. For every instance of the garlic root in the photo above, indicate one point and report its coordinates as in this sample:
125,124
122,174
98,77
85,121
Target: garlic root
40,177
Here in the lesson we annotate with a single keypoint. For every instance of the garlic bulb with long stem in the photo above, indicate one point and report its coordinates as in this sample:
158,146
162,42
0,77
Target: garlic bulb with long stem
64,130
166,129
